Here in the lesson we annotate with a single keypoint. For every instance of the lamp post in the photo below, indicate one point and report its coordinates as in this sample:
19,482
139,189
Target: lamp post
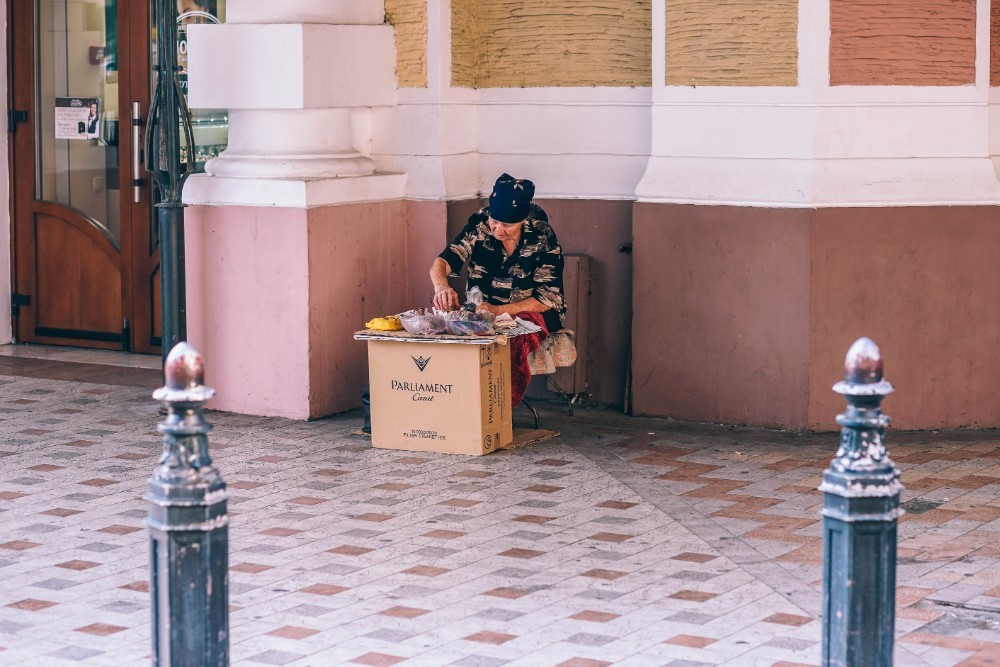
168,124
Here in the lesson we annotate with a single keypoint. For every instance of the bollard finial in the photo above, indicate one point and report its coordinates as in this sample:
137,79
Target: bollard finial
184,373
863,371
863,364
184,368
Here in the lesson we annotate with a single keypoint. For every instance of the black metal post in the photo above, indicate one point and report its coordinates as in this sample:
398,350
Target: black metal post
860,508
168,124
188,527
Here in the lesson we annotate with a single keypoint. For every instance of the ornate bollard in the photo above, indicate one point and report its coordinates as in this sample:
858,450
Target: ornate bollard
188,527
860,507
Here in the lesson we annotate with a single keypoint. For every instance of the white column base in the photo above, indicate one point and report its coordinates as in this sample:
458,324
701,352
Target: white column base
290,143
209,190
230,165
820,182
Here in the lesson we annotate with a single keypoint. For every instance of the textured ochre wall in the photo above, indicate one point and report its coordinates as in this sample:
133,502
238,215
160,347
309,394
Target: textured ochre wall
903,42
732,42
409,18
529,43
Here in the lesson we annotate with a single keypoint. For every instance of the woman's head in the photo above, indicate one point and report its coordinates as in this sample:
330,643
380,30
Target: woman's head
510,201
93,109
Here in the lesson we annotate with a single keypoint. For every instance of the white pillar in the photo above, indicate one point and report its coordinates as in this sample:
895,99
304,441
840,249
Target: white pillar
290,143
299,78
343,12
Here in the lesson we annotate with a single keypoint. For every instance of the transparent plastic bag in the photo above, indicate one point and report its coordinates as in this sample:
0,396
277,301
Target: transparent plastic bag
466,321
473,299
423,321
469,323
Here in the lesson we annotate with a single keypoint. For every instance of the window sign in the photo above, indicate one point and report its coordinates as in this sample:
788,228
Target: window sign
78,118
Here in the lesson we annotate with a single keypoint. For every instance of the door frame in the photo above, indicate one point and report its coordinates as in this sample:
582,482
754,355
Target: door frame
137,254
142,260
6,319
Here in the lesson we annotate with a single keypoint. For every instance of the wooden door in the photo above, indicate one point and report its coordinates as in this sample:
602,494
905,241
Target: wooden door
85,257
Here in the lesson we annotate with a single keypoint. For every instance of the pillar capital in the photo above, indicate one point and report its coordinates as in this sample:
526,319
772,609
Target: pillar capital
299,78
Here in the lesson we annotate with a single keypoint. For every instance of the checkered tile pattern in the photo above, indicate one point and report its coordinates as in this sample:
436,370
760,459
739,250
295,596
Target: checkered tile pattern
752,495
625,541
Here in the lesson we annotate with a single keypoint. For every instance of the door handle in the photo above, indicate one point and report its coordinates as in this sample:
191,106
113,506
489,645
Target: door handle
137,181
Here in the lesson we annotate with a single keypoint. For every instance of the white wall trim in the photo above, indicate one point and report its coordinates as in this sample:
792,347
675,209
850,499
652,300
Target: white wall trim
815,145
205,190
792,205
694,144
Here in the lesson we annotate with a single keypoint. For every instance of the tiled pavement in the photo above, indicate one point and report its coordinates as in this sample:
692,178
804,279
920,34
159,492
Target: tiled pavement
625,541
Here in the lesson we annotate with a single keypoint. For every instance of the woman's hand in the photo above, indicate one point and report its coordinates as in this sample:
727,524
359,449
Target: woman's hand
446,299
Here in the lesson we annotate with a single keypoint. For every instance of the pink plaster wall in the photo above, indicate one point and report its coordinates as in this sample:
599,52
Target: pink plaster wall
275,294
721,303
427,229
359,268
745,314
247,297
598,229
923,283
741,314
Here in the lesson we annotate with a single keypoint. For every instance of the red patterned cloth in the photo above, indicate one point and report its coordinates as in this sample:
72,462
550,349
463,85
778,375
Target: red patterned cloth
520,348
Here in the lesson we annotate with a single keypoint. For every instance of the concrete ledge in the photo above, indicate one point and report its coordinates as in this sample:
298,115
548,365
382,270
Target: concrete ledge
207,190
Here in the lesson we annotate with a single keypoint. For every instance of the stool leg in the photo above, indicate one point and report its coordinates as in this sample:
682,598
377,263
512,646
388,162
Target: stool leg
366,404
533,411
569,399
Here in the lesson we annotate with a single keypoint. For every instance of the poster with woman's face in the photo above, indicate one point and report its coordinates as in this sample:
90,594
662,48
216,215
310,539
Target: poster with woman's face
78,118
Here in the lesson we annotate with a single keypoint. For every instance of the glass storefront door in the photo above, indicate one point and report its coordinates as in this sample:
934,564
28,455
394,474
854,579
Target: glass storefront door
86,261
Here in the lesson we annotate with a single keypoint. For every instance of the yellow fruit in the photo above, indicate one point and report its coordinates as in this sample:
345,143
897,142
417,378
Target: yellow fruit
387,323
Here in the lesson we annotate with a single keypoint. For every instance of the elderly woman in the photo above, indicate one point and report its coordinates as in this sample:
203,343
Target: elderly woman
513,254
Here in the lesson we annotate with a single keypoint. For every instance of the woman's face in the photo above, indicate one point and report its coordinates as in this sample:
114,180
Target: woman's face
93,110
504,231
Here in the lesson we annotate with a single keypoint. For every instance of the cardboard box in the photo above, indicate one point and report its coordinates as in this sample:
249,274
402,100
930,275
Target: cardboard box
450,396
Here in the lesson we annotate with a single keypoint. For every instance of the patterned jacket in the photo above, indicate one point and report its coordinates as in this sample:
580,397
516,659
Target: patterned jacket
535,269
